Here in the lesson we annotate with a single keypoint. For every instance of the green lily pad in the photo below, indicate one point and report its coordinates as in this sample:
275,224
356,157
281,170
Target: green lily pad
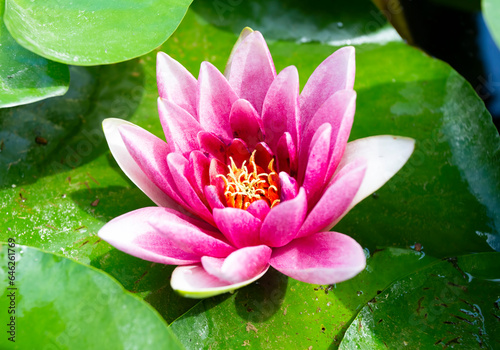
24,76
277,312
491,12
57,303
92,32
452,303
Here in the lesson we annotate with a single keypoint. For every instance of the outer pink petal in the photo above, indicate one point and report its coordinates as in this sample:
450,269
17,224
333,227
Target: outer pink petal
215,102
132,234
280,112
333,74
336,199
238,226
197,240
385,156
194,282
283,221
175,83
245,122
244,33
252,70
240,265
130,167
323,258
181,129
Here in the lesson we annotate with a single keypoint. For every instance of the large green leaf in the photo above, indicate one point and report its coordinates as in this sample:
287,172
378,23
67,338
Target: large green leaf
57,303
491,12
92,32
453,303
277,312
24,76
443,199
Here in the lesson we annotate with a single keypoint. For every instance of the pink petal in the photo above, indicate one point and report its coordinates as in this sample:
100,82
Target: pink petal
179,167
213,197
323,258
338,111
283,221
132,234
181,129
212,145
148,155
175,83
244,122
197,239
333,74
238,152
198,172
317,163
128,164
289,187
259,209
251,70
263,155
240,265
238,226
194,282
244,33
336,199
216,100
280,112
286,154
385,156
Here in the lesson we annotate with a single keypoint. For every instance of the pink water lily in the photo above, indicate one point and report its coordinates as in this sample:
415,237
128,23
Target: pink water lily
253,173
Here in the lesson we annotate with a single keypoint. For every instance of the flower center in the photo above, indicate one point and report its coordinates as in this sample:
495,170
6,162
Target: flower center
251,183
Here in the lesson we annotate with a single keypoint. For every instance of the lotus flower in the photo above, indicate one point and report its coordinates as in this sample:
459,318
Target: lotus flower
253,173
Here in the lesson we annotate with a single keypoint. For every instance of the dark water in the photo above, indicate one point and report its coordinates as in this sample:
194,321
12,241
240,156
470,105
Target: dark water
456,33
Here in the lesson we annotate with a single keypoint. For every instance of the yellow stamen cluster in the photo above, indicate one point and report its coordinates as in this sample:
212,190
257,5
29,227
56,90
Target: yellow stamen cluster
248,184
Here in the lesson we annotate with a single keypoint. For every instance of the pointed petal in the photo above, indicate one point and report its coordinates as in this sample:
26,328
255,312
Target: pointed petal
194,282
132,234
238,226
251,69
175,83
338,111
215,102
317,162
131,168
179,167
385,156
240,265
333,74
181,129
323,258
283,221
244,33
245,122
198,240
280,112
336,199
